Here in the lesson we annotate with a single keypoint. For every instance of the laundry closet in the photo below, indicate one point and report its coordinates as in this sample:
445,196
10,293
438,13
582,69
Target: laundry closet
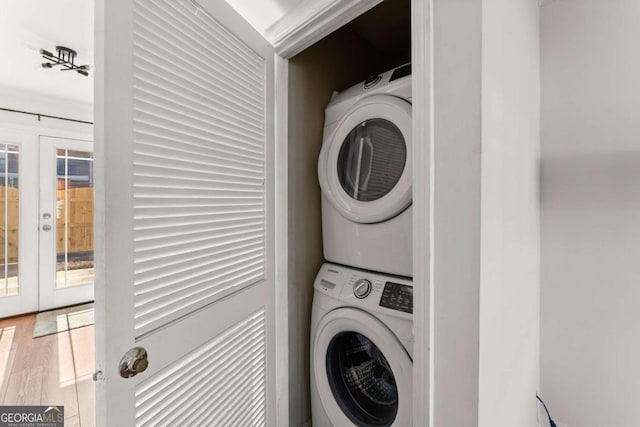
375,42
211,230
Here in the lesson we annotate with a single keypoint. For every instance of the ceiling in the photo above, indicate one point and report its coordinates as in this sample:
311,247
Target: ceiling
261,14
26,26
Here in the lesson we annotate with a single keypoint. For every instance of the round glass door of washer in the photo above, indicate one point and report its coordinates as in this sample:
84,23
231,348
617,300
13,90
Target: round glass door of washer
363,373
361,380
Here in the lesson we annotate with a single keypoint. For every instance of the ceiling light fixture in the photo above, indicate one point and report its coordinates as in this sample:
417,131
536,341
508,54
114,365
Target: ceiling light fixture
65,59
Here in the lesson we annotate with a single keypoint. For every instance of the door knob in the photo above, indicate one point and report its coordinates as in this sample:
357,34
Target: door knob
46,215
46,227
133,362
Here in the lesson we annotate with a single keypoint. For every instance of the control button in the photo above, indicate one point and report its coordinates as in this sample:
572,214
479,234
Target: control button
372,81
362,288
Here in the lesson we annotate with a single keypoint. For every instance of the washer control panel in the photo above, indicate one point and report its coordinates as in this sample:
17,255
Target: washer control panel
397,297
368,290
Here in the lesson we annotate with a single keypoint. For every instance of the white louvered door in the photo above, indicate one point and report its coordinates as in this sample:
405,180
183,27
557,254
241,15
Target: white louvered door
185,247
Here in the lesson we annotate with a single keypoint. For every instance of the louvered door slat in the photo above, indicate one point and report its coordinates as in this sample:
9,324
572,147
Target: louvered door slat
194,45
156,249
197,228
199,163
187,263
182,119
232,47
150,144
188,182
170,219
161,136
235,363
149,271
194,103
188,80
156,166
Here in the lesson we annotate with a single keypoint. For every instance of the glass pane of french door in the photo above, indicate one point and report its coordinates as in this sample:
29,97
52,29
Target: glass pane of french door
74,218
9,212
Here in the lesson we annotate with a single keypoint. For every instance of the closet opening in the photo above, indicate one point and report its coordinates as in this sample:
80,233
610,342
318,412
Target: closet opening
365,56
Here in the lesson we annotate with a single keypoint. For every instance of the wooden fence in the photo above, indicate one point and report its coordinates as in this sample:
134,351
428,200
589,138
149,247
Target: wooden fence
12,224
80,226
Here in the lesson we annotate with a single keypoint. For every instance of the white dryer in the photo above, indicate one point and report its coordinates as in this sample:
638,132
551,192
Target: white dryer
361,349
364,171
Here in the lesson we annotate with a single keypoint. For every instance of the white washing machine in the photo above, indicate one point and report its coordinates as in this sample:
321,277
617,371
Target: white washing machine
361,349
364,171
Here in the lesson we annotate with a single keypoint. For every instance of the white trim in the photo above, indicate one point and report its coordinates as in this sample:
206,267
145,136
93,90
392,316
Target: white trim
282,240
422,100
311,21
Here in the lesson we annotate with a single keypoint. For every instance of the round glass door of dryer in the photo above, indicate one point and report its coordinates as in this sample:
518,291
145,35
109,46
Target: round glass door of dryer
371,160
364,167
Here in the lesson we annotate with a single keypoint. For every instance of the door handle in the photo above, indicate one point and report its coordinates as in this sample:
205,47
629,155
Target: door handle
46,227
133,362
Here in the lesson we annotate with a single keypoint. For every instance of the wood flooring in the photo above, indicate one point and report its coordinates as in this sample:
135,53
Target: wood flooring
51,370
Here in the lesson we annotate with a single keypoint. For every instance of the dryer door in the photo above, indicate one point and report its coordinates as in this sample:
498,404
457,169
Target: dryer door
365,165
363,373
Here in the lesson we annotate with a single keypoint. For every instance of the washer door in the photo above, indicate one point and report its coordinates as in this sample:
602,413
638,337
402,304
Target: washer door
363,373
365,165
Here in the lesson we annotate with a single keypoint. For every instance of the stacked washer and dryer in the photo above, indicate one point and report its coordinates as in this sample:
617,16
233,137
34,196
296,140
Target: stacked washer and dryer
361,325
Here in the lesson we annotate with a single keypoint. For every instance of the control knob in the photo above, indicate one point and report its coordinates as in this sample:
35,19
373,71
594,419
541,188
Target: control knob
362,288
372,81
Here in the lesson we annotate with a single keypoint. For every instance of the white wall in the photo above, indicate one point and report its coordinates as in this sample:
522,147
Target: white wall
590,329
486,213
20,99
510,231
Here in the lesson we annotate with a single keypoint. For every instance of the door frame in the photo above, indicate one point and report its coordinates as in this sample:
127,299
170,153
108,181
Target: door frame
306,24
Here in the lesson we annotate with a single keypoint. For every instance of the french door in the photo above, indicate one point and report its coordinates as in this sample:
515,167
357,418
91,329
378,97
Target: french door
185,199
66,260
18,245
46,222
